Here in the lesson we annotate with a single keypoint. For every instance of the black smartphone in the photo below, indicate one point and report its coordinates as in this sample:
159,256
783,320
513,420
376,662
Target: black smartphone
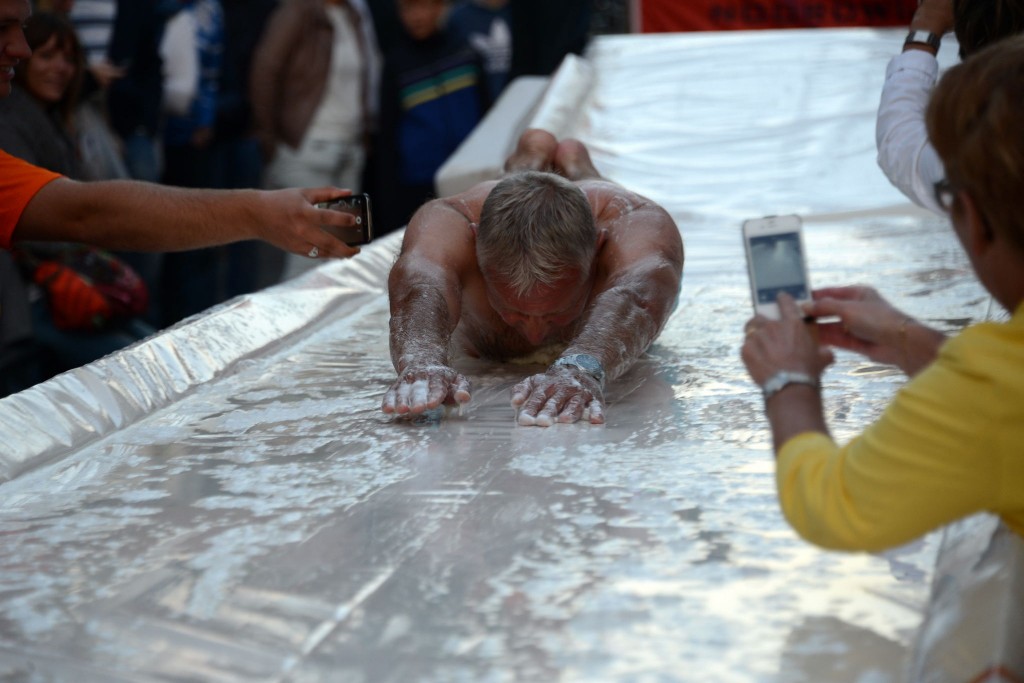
357,205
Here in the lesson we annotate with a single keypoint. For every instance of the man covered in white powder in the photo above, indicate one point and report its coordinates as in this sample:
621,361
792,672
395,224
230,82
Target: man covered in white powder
550,256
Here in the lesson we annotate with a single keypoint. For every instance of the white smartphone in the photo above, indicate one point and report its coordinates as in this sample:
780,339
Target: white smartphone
775,260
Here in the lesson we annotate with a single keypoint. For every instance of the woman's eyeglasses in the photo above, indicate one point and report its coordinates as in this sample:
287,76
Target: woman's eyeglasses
944,194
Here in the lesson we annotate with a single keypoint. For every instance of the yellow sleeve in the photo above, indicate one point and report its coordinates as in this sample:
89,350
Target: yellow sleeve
928,460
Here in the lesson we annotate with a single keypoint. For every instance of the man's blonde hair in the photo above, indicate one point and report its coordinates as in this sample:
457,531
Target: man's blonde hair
533,227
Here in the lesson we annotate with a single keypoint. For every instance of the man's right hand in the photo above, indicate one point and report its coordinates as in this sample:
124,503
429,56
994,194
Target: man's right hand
422,388
290,220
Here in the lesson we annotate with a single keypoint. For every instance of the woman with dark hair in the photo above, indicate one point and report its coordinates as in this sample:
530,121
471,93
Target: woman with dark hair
37,124
38,117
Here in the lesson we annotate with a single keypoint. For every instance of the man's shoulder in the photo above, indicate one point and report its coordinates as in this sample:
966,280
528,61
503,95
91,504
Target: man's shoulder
601,185
442,226
605,195
471,201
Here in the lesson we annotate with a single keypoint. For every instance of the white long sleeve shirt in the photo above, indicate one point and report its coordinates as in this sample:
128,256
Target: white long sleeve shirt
904,153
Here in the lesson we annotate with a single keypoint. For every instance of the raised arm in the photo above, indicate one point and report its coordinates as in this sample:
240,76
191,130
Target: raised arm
904,153
138,216
640,271
425,290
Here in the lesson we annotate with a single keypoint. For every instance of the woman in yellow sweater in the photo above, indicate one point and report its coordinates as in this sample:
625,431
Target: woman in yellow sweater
951,443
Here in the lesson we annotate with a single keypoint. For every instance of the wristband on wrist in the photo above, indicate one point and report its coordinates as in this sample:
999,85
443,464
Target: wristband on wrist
928,38
591,365
783,378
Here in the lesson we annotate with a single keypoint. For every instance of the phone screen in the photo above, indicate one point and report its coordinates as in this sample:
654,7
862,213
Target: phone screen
777,264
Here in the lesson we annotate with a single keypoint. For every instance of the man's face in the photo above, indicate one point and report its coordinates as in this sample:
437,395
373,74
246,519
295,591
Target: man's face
420,17
13,47
544,311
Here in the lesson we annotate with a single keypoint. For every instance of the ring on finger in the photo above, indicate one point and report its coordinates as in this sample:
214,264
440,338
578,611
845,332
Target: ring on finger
314,252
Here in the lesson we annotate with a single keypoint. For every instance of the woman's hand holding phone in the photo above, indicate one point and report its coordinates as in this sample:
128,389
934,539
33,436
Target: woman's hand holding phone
871,326
783,344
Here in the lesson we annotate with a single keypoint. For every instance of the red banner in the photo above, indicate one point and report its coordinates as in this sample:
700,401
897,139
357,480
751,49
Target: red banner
659,16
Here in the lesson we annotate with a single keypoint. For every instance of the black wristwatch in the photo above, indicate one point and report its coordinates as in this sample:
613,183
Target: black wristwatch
585,362
923,38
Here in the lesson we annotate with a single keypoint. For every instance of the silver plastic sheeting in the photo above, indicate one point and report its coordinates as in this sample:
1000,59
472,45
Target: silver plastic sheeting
225,501
974,627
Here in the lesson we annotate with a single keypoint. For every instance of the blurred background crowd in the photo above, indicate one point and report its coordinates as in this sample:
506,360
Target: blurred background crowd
371,95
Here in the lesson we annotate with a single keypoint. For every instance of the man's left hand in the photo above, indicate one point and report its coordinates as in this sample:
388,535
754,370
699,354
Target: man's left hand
558,395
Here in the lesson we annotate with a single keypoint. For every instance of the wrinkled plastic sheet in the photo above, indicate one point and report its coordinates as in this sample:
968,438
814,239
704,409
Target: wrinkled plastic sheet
225,501
974,627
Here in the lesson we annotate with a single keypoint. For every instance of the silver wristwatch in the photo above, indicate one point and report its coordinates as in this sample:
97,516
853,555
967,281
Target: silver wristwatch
585,362
783,378
923,38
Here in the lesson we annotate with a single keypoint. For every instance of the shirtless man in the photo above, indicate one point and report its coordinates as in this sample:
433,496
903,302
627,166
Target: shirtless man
551,255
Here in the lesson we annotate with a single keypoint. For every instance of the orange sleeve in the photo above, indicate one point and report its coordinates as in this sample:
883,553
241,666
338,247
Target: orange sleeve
19,183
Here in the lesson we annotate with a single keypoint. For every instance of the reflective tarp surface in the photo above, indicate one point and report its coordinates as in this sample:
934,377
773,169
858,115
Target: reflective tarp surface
225,502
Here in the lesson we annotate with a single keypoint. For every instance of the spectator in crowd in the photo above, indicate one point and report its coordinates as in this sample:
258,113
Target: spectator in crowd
37,118
133,108
35,124
192,51
486,26
94,22
313,80
97,144
433,94
235,150
134,101
949,443
904,152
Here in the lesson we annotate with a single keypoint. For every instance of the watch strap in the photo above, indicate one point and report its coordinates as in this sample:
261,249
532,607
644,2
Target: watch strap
783,378
591,365
923,38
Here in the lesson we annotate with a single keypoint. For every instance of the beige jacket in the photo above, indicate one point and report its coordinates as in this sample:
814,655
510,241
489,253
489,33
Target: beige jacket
290,69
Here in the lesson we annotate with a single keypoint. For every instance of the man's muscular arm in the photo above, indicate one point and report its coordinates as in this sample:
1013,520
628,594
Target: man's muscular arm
643,261
425,290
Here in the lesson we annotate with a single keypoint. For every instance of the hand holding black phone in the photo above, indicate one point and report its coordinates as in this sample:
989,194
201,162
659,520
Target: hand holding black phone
357,205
